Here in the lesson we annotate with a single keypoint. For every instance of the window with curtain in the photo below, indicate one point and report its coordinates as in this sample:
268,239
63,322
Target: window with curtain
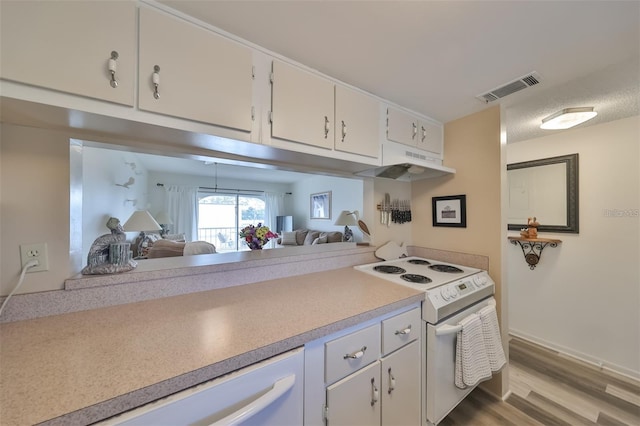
221,216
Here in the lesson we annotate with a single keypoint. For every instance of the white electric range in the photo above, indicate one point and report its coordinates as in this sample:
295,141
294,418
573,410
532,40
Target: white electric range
452,292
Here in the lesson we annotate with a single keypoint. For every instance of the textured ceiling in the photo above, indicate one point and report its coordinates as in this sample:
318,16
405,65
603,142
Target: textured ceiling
435,57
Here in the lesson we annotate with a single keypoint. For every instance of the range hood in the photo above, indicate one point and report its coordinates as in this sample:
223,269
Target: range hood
405,163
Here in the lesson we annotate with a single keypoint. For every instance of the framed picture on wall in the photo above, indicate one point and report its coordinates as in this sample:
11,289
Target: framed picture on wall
320,205
450,211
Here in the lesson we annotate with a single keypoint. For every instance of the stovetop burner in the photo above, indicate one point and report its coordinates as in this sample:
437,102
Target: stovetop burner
389,269
419,262
446,268
415,278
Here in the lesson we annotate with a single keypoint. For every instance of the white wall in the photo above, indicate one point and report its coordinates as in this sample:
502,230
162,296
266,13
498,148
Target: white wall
103,170
583,298
346,194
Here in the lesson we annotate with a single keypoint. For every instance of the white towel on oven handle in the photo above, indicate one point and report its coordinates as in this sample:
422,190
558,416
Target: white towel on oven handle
492,341
472,364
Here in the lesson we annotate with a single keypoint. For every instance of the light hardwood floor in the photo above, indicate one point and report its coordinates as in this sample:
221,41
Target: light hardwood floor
551,389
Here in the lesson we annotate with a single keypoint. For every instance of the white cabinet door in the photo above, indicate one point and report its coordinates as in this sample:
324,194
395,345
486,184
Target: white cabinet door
202,76
67,46
430,137
357,123
355,400
302,106
402,127
400,391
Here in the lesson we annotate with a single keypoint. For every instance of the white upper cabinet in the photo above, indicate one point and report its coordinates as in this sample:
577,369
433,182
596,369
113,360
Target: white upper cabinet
67,46
412,130
301,106
402,127
430,136
188,72
357,123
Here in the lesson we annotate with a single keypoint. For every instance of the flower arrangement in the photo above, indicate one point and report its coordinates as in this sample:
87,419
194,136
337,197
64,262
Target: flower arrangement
257,236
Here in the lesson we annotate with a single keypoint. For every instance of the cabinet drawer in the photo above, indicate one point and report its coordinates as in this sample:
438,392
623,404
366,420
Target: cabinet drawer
349,353
400,330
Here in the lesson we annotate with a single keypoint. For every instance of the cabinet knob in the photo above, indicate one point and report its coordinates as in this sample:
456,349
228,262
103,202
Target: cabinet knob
155,78
113,64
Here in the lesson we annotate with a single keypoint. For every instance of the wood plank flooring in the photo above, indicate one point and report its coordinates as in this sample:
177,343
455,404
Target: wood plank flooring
551,389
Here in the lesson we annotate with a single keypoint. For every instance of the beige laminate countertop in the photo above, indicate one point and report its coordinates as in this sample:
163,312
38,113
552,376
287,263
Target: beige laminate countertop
89,365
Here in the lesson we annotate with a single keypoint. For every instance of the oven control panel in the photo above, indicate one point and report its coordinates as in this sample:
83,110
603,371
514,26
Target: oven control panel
449,298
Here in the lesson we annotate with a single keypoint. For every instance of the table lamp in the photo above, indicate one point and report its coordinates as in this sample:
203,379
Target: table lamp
141,221
346,219
164,221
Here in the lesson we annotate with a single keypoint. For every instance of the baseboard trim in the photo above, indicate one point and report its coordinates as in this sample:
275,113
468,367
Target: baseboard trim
584,359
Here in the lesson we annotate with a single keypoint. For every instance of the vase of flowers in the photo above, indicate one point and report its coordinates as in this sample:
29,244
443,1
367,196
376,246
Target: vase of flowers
257,236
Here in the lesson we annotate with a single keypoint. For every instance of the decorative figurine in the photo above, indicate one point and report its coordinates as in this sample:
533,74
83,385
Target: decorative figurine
105,259
533,227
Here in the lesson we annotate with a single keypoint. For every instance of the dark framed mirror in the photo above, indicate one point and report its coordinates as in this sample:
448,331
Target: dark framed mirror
546,189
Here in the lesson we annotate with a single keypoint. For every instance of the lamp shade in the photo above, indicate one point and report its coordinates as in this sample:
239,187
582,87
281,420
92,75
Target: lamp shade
346,218
163,218
141,220
568,118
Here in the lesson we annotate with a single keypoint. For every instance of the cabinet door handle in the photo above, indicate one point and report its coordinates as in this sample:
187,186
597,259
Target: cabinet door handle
424,133
357,354
344,130
415,130
326,127
155,78
405,331
374,392
392,382
113,65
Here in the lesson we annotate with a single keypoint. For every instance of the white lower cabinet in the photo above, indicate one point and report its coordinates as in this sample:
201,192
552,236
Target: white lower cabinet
386,392
371,374
355,400
400,386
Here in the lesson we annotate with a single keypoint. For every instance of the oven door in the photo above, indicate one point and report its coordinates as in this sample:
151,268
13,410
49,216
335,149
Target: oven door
442,393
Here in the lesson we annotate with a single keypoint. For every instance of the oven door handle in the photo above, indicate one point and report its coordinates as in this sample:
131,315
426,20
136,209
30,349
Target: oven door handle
447,329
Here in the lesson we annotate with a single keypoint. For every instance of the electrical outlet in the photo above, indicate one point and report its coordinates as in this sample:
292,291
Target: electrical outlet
29,252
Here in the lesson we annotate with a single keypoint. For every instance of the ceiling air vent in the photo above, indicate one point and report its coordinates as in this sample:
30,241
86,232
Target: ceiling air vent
516,85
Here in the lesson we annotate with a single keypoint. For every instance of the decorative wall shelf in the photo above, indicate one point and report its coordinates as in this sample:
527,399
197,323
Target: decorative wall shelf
532,248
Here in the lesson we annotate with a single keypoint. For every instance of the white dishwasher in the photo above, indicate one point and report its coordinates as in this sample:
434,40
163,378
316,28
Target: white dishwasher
267,393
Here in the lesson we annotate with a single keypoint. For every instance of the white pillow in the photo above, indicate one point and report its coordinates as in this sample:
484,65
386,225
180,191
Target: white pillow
319,240
289,239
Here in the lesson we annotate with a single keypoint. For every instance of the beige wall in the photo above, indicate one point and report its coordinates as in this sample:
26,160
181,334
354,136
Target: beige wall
34,194
472,146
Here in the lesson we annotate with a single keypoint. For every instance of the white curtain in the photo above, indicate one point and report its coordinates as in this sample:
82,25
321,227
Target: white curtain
273,207
182,206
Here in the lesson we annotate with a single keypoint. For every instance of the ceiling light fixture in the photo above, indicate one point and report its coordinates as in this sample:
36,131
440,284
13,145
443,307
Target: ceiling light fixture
568,118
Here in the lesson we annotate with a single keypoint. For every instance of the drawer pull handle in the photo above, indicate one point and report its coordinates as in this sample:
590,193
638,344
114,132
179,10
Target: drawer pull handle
392,382
405,331
374,392
357,354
